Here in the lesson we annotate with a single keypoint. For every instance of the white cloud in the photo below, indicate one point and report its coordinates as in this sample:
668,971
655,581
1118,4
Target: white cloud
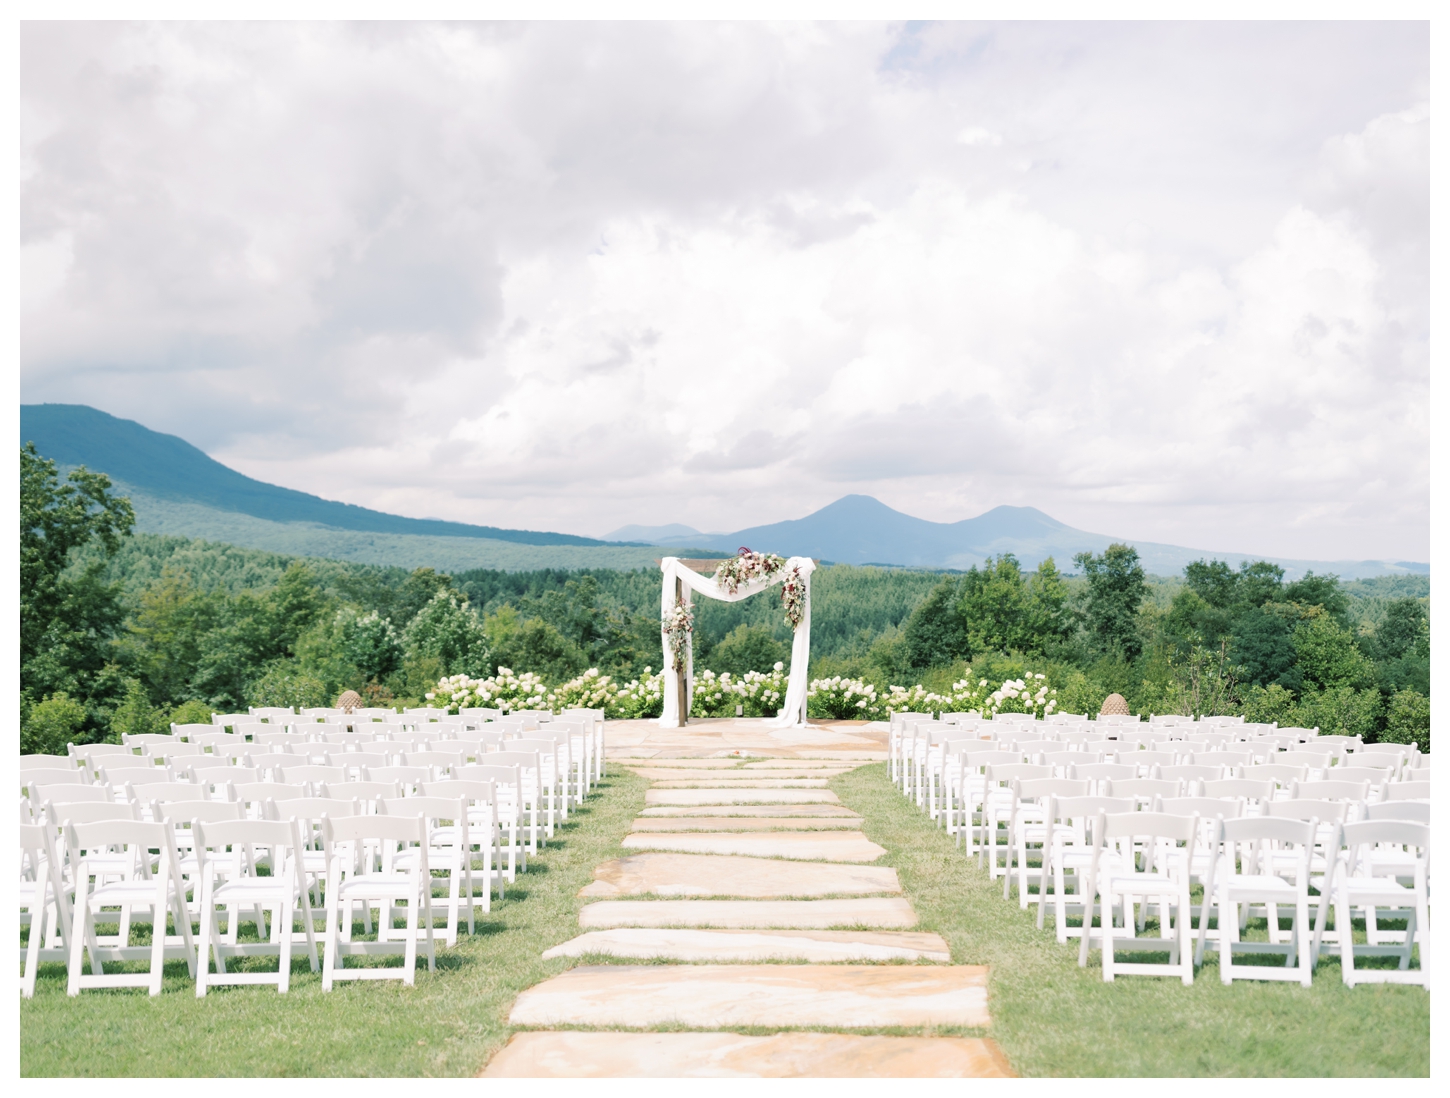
1162,285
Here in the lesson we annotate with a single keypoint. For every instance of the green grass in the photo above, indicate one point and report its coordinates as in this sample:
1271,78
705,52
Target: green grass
1053,1018
450,1023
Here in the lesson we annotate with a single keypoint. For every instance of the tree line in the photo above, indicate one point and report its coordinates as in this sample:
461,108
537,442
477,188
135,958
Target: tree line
127,632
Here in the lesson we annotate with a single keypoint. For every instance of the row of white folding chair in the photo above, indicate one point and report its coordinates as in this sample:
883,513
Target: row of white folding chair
117,884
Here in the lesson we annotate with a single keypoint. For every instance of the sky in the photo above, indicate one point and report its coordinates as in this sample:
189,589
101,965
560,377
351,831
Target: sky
1162,281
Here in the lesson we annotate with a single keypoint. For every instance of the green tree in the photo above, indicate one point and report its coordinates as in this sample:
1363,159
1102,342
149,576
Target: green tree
1262,646
51,724
1408,719
1404,631
1214,582
1116,586
66,620
450,631
995,607
286,684
747,648
372,645
1321,591
136,715
1050,620
419,589
935,633
1327,655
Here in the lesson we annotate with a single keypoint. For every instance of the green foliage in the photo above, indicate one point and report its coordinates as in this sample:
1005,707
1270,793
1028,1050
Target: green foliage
1404,631
516,641
66,616
747,648
450,632
285,684
935,633
51,724
1263,648
1327,655
191,712
371,644
1116,586
136,716
1408,719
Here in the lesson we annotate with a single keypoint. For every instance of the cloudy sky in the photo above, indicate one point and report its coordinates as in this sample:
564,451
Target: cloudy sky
1168,282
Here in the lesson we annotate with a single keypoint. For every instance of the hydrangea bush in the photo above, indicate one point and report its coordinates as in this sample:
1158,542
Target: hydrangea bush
506,691
843,699
639,698
756,693
1029,694
590,690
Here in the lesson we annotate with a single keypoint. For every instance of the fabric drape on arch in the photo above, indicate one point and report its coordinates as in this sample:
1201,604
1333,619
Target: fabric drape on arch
793,712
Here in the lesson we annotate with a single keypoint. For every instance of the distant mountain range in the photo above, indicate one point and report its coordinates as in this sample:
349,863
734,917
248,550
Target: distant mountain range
178,489
863,530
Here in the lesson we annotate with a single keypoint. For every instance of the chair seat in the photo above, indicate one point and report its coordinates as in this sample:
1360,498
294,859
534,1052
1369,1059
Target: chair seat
1259,885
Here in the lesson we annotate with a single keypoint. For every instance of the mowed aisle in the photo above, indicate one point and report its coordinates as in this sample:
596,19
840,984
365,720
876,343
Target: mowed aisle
751,891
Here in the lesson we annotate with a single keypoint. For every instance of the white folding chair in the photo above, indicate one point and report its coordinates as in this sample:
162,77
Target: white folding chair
1261,860
1356,880
1070,854
228,878
159,893
355,874
1159,873
44,903
450,850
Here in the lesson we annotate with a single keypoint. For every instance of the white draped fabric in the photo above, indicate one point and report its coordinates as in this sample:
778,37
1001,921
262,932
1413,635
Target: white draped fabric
793,712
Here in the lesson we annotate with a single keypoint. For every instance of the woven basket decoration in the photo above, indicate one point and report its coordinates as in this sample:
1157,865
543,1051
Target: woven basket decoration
1115,705
351,699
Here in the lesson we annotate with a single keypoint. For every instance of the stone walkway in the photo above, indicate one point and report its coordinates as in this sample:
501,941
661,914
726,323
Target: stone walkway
758,887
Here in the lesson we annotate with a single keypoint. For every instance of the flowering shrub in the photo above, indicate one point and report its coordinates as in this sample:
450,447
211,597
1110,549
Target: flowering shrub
590,690
967,696
916,699
506,691
639,698
677,626
757,693
1029,694
843,699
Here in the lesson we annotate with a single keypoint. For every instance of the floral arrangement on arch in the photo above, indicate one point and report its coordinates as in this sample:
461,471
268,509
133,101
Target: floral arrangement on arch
748,566
677,625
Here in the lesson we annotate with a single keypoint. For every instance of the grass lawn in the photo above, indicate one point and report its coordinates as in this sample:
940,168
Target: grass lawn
1053,1018
450,1023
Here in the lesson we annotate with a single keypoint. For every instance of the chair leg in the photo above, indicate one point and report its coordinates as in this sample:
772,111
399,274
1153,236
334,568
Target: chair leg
287,917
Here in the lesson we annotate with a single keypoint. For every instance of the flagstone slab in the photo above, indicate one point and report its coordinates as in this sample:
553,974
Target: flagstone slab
716,996
825,846
730,777
729,875
727,823
801,764
571,1054
756,811
813,946
652,762
740,796
713,781
883,912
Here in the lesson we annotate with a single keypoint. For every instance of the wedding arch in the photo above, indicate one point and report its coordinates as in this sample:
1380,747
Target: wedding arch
737,578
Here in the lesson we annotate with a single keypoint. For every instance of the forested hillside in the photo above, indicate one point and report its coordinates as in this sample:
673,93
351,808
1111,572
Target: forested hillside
124,631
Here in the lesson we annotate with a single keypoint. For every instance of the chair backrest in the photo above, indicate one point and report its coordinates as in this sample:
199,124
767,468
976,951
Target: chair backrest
985,757
455,787
1315,760
1330,791
1374,775
309,773
1223,758
146,792
1247,788
1402,750
49,762
1149,825
1015,772
185,812
312,809
403,829
258,792
1088,808
402,775
528,760
173,750
1144,788
1203,807
430,808
138,834
1407,791
1036,789
58,814
433,758
362,791
69,794
48,776
1323,811
1276,772
1104,772
507,776
117,776
231,720
1387,832
221,774
1418,811
274,713
1275,829
1190,773
360,758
